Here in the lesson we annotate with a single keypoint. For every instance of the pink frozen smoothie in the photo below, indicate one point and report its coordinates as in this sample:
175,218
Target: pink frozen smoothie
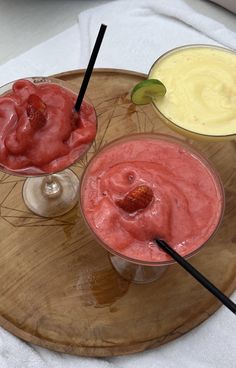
186,204
39,131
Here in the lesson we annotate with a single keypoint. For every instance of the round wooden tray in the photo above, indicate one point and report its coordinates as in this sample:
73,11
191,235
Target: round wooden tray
57,286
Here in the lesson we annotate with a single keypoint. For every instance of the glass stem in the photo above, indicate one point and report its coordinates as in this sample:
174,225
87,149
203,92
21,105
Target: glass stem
51,186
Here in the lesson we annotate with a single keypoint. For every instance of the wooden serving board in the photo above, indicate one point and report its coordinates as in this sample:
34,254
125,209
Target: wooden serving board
57,286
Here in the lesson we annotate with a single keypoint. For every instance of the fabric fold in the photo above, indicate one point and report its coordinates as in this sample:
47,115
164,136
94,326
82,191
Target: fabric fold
139,31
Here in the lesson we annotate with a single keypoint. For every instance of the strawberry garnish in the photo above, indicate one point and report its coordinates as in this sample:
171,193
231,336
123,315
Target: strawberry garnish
137,199
36,111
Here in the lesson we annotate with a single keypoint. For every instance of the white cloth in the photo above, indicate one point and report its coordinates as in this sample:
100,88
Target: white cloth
138,32
57,54
141,30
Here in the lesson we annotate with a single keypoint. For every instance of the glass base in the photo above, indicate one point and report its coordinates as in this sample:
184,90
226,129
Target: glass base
136,273
53,195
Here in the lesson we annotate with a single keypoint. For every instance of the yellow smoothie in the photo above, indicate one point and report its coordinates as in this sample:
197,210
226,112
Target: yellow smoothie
201,89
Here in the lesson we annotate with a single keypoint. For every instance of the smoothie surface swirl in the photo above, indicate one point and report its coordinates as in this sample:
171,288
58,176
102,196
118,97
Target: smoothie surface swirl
201,89
186,205
46,137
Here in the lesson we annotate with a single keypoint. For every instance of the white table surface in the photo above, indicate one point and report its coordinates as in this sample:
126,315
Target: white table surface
26,23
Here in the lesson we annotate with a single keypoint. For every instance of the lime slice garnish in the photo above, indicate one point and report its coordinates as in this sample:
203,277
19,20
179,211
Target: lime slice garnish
144,92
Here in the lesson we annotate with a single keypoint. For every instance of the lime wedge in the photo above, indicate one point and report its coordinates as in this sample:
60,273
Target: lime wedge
144,92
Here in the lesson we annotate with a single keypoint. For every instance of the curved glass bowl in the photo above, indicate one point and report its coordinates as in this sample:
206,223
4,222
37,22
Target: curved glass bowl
135,269
171,123
54,193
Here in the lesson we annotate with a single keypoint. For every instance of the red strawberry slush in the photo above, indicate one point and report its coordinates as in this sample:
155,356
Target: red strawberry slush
39,131
147,187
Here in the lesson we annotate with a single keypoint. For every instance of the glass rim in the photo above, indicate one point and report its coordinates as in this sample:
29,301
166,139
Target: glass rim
206,162
37,80
176,49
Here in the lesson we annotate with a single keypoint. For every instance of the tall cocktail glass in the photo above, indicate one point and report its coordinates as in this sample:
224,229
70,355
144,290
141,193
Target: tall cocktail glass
51,188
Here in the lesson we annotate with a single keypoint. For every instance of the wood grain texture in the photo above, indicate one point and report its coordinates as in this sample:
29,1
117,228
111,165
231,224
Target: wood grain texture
57,286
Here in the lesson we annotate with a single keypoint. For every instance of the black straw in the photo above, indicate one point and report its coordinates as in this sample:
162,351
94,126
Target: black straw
197,275
90,66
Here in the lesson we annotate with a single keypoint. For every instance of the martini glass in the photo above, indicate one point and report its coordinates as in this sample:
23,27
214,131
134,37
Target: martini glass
132,268
206,91
52,193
